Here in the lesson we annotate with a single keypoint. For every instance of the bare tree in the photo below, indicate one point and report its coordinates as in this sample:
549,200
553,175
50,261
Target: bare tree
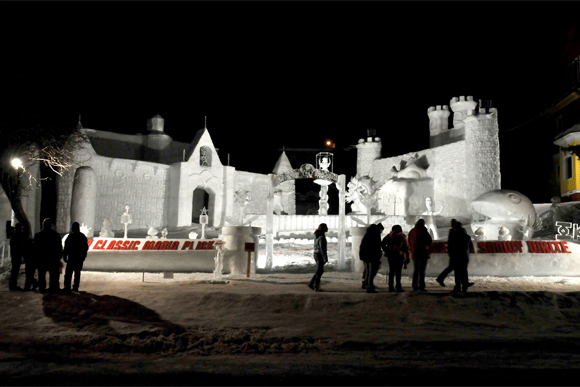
36,127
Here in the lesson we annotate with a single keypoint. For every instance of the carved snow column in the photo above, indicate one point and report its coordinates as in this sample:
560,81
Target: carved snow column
460,107
438,123
270,222
357,234
341,185
84,198
236,258
482,153
368,151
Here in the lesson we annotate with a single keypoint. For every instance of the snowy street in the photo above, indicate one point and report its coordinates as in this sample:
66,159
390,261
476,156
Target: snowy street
272,329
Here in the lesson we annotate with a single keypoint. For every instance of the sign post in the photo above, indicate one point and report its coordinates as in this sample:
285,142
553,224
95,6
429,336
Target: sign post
249,247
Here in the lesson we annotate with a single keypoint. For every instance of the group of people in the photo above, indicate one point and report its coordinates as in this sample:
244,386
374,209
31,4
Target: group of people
43,255
400,251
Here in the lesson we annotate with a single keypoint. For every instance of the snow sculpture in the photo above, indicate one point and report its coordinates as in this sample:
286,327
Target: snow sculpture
504,234
85,229
152,233
126,220
502,208
527,231
353,196
405,191
361,192
192,235
106,229
164,233
203,220
278,206
479,234
242,198
323,201
219,260
325,163
430,221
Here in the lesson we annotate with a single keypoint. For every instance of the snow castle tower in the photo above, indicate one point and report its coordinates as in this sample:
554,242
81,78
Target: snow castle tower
368,151
481,152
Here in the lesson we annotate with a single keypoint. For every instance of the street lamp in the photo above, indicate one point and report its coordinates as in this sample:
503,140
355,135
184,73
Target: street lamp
16,163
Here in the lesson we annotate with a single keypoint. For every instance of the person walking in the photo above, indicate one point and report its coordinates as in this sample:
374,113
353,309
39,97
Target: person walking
419,242
396,248
320,256
30,265
74,254
459,248
441,277
16,252
371,253
48,250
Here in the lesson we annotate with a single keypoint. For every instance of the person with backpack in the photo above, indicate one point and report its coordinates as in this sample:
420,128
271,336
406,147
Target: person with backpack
370,253
396,248
320,256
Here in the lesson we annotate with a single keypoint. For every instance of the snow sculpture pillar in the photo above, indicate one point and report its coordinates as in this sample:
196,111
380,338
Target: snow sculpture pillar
341,185
438,119
84,195
357,234
368,151
270,222
235,238
460,107
481,153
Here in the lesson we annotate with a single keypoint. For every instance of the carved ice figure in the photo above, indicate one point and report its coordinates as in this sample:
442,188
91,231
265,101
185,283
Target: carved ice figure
361,192
152,233
324,163
431,224
353,197
502,208
192,235
164,233
126,220
85,229
323,201
219,260
106,229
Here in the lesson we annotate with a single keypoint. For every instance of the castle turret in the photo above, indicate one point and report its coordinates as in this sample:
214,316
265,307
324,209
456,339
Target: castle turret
157,139
438,123
460,107
368,151
481,152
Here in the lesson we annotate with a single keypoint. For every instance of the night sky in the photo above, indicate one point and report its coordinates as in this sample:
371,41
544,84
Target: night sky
269,75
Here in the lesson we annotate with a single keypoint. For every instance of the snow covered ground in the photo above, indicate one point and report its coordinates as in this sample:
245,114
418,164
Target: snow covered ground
135,328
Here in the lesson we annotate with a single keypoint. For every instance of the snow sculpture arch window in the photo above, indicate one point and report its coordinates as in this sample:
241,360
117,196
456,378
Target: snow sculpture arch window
205,156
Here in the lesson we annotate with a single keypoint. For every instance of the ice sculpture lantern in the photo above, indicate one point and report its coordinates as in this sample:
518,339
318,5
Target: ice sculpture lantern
503,210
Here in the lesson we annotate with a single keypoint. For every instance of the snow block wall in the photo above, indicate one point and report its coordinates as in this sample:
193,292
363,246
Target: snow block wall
367,152
257,185
140,185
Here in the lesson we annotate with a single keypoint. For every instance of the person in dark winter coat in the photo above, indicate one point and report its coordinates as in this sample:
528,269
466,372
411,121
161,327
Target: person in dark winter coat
419,242
396,248
459,247
320,256
48,250
441,277
30,262
16,252
370,253
74,254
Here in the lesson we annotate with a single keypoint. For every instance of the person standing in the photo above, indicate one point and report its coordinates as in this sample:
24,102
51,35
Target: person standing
320,256
396,248
371,253
16,252
74,254
419,242
441,277
459,248
48,249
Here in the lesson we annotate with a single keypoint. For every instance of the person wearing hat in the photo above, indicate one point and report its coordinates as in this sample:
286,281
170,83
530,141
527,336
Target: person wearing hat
74,254
48,250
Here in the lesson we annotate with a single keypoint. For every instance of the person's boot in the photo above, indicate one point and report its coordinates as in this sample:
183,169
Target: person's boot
391,288
364,285
399,289
440,281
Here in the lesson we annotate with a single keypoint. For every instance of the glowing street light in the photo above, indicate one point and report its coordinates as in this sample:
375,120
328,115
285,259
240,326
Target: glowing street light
16,163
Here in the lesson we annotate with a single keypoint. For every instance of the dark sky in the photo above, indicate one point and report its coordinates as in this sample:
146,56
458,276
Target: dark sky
271,74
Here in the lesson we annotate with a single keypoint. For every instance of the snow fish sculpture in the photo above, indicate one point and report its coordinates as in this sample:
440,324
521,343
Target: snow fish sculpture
500,208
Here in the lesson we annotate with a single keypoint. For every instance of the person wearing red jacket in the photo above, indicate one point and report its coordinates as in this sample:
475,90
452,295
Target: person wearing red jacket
419,242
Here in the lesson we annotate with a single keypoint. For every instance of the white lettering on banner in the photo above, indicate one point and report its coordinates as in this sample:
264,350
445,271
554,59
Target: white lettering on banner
109,244
567,230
